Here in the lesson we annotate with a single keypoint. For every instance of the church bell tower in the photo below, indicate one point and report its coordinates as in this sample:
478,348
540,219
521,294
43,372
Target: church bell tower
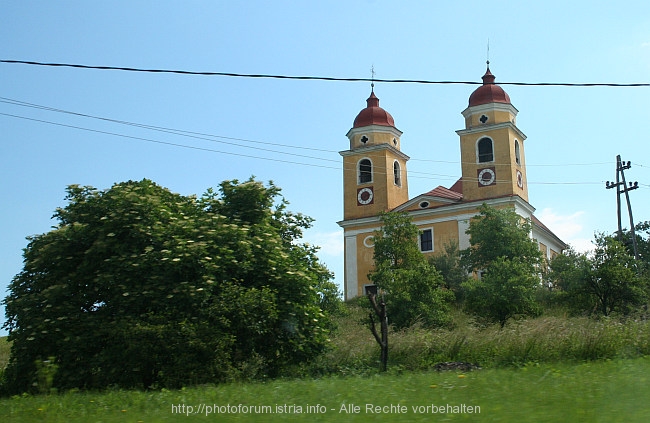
374,168
491,145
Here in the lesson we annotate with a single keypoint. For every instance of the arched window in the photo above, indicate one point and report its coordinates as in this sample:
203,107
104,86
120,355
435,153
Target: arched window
517,153
397,173
485,150
365,171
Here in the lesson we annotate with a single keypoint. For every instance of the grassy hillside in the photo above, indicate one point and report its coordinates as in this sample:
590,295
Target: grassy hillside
547,339
550,369
604,391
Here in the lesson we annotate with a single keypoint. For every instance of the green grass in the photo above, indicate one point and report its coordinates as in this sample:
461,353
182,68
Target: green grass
548,339
549,369
604,391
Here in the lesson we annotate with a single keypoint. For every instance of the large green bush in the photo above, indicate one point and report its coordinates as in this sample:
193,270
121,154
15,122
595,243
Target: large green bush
605,281
137,287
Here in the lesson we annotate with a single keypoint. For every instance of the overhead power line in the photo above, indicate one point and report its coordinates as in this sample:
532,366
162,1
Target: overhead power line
316,78
210,150
211,137
164,142
182,132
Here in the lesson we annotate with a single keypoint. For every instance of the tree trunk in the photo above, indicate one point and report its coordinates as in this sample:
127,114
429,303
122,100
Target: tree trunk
380,311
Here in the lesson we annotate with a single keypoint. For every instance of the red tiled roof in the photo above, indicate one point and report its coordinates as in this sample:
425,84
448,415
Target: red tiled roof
458,186
443,192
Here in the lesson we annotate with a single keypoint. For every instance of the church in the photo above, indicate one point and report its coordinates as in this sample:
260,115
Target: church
375,180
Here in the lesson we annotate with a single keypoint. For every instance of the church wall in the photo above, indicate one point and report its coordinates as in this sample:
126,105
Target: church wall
443,233
547,244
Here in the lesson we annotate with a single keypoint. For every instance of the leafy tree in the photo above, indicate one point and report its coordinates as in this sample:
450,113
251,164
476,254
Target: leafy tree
414,290
506,290
449,264
496,233
137,287
642,232
507,260
568,277
606,281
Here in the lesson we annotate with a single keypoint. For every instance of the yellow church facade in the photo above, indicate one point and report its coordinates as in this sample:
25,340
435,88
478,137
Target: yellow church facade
375,180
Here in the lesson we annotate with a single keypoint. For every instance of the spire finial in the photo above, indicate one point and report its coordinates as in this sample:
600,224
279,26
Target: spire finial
372,83
488,53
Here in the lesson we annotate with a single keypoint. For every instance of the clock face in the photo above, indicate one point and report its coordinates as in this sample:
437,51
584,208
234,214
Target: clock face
520,179
365,196
486,177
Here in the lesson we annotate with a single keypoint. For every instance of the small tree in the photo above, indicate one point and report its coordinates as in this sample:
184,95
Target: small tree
414,290
507,289
614,282
498,233
507,260
604,282
568,278
379,310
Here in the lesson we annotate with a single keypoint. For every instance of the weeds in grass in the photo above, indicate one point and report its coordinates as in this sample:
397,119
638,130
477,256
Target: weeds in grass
547,339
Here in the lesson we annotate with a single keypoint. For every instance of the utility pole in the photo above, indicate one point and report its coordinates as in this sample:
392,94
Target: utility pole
623,188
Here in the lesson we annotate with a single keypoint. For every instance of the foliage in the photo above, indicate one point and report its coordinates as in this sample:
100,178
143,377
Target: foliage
414,290
605,282
642,232
448,263
137,287
5,352
496,233
568,277
507,289
507,260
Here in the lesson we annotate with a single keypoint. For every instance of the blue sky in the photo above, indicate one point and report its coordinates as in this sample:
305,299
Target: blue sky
574,134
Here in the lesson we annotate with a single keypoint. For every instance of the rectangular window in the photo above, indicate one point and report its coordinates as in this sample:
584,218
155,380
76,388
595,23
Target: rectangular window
426,240
370,289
